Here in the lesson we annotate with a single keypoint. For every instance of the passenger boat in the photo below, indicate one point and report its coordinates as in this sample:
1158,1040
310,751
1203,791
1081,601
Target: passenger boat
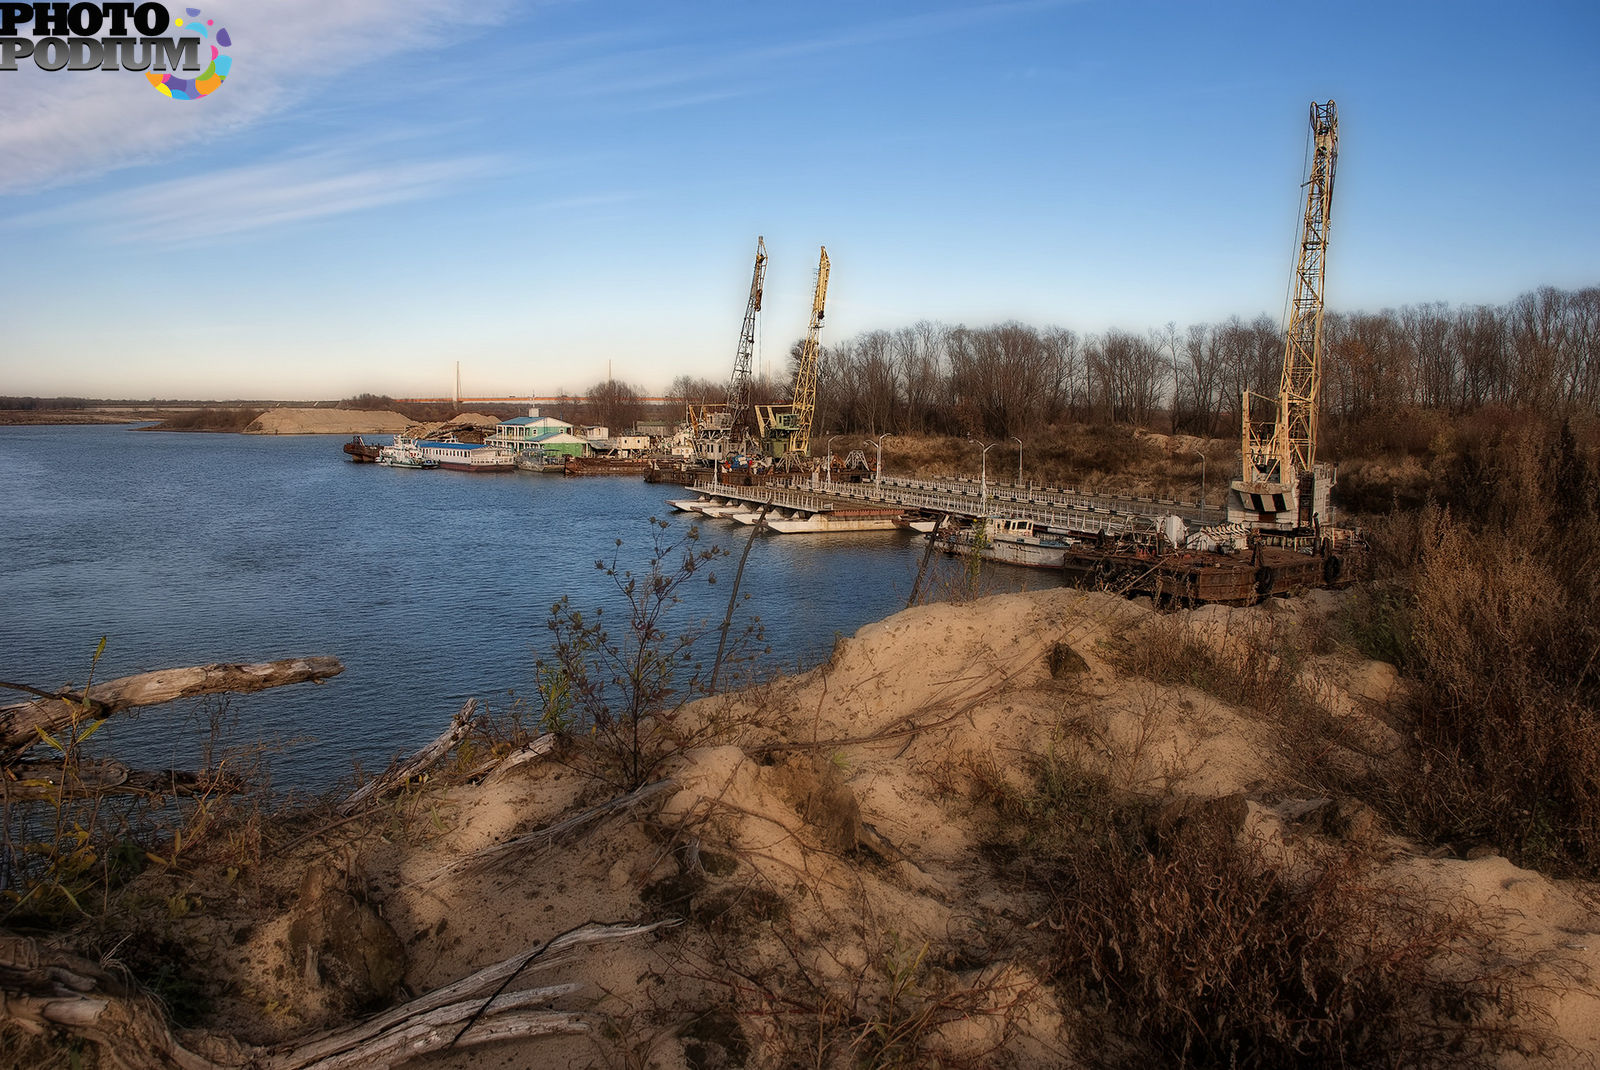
1010,542
468,456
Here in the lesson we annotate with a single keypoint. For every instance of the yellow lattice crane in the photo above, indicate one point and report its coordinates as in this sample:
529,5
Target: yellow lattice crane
1281,486
786,429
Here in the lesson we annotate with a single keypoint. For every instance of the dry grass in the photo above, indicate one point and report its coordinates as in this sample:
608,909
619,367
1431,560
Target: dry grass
1261,664
1188,943
1485,598
1092,458
1508,724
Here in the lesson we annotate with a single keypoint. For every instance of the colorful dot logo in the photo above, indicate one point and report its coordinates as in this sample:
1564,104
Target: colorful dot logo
215,73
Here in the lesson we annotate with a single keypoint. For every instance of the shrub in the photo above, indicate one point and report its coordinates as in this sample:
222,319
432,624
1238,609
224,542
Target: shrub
1509,717
1190,943
623,685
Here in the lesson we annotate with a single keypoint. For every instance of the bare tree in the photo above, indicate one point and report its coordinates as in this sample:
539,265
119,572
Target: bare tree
1541,350
614,404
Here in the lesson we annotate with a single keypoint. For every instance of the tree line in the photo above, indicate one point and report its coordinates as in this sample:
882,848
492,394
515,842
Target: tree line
1539,351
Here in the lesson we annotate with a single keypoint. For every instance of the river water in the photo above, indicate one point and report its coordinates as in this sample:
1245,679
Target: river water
431,587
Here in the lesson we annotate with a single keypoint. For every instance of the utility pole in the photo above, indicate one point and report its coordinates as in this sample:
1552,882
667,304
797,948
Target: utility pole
879,480
983,472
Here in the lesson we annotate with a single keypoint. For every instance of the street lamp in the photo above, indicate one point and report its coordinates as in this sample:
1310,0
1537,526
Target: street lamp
1202,457
879,480
1018,441
830,458
983,471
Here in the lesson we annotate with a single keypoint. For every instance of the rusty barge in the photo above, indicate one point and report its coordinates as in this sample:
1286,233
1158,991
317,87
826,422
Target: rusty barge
1272,566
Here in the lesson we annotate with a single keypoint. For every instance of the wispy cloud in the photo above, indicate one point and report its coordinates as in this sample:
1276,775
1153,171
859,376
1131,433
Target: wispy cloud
731,71
289,190
57,128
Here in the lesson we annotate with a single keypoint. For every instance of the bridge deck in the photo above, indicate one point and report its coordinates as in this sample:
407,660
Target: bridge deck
1056,508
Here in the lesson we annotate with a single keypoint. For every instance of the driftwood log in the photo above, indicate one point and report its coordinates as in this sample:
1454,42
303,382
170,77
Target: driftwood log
398,774
35,781
44,990
22,723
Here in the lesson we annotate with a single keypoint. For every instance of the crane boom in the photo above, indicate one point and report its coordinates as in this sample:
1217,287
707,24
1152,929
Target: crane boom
805,376
1302,356
739,385
786,429
1281,485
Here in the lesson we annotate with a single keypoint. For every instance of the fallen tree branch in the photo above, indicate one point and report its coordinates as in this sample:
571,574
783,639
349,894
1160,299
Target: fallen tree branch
42,989
549,834
397,775
31,781
536,748
433,1032
22,723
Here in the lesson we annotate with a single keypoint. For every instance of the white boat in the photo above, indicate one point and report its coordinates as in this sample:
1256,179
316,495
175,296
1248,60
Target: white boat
403,453
1010,542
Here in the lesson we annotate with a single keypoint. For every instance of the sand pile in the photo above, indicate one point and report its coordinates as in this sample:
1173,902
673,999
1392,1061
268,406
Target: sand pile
478,422
836,880
327,422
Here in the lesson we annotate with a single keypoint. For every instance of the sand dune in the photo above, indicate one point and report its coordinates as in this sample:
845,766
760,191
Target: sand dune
327,422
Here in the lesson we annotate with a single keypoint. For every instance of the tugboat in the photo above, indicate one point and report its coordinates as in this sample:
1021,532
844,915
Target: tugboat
361,451
405,454
1010,542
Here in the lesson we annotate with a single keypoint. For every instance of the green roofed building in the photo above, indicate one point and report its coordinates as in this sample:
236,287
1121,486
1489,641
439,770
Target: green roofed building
524,432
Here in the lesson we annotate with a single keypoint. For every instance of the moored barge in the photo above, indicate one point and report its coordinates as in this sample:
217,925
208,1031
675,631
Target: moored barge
361,451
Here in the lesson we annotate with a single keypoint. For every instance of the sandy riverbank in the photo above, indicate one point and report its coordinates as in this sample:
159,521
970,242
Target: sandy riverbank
835,854
69,417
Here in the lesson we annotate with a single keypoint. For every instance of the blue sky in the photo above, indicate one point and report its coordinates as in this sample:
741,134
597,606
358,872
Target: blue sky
540,191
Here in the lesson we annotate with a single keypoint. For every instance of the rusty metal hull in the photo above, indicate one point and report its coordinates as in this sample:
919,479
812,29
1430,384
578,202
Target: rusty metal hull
1194,578
361,451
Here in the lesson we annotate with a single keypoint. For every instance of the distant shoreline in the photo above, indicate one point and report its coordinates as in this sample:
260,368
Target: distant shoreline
47,417
219,419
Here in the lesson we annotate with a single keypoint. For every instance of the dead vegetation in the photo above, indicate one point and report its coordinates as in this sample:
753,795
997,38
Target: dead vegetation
1112,459
1487,597
1188,940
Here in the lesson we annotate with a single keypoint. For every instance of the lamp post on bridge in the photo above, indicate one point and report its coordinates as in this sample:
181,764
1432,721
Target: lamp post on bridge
879,480
1018,441
983,472
830,458
1202,457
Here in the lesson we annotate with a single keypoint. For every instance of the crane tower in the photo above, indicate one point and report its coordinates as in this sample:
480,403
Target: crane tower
786,429
1281,486
739,386
720,430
